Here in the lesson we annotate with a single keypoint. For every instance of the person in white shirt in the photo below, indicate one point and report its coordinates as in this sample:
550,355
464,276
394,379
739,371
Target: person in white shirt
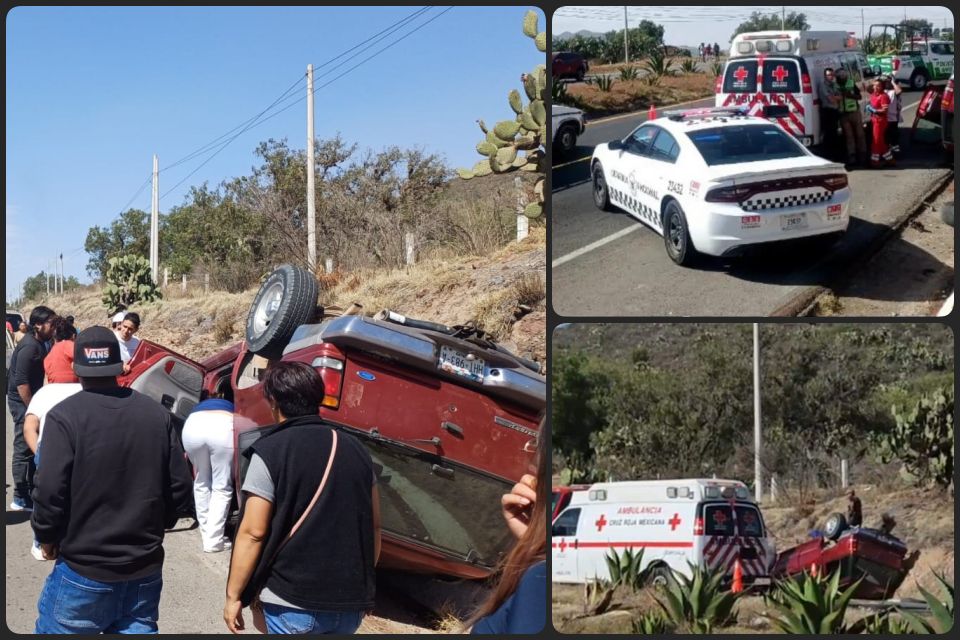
46,398
894,115
128,341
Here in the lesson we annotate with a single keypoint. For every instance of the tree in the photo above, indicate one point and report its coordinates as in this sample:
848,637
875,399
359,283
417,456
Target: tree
759,22
130,233
917,26
35,287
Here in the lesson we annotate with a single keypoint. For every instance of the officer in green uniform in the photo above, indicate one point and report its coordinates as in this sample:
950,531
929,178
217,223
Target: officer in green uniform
851,120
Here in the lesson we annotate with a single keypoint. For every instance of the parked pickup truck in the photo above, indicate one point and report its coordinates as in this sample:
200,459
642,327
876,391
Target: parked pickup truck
568,123
919,62
449,416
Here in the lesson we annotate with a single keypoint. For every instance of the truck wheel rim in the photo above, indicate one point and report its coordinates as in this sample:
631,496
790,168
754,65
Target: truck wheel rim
676,233
267,308
599,188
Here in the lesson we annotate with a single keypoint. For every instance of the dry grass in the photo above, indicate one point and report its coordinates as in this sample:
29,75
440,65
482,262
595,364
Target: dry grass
636,95
484,288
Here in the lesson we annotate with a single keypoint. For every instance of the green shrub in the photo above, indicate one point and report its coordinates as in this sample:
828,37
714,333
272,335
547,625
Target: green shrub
698,603
629,73
688,65
649,623
810,605
128,281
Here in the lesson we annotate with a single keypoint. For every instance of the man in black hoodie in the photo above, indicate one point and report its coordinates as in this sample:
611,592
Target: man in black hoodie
114,477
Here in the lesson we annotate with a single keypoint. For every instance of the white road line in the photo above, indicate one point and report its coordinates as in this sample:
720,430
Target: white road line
595,245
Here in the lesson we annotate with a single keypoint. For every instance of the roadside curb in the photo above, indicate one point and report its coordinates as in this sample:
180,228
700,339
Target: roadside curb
802,303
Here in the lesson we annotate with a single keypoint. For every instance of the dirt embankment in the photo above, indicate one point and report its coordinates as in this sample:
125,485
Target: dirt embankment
504,292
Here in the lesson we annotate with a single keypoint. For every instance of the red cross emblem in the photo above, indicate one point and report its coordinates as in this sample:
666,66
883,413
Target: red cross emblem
563,545
601,523
674,522
780,73
741,73
719,517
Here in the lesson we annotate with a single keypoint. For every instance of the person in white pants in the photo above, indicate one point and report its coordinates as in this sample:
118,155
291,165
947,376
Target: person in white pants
208,441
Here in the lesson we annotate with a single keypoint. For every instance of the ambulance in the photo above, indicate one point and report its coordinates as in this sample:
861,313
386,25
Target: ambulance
710,523
776,74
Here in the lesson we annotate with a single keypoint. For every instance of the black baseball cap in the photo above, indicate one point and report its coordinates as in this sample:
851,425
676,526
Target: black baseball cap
96,354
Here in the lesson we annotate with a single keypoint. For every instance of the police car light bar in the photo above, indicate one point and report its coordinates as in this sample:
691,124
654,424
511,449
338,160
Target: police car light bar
707,112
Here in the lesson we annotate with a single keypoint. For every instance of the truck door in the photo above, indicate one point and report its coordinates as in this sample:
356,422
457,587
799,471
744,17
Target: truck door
564,546
739,86
171,379
941,60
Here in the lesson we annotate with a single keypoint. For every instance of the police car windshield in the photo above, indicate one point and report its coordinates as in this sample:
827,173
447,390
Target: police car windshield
744,143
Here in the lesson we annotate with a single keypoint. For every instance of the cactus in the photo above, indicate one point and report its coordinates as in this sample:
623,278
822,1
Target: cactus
128,281
699,602
525,133
922,438
626,569
597,595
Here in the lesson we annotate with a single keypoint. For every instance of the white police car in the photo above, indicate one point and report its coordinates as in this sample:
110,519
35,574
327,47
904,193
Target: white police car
717,180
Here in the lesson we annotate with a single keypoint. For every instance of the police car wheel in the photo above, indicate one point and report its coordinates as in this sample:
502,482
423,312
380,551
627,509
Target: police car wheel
918,80
676,235
286,299
601,195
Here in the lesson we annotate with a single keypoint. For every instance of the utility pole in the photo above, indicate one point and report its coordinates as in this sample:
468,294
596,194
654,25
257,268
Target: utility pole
757,442
626,46
61,273
783,17
311,179
154,222
863,31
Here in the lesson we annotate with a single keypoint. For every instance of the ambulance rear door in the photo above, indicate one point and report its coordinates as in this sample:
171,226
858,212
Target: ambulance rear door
563,543
732,531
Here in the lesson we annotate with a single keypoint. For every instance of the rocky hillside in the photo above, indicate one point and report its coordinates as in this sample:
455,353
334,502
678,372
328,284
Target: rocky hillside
503,292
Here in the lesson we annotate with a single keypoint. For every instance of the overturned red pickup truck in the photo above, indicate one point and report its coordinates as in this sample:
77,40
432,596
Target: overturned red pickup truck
873,555
449,416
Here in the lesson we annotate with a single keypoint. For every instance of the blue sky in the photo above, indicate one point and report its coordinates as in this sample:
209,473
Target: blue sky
691,25
92,93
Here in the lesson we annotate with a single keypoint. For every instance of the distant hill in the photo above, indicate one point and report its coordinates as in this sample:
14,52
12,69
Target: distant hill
566,35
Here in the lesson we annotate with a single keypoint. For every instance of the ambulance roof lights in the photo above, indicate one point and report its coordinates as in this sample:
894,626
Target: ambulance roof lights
784,46
711,492
597,494
745,47
727,492
776,36
764,45
679,492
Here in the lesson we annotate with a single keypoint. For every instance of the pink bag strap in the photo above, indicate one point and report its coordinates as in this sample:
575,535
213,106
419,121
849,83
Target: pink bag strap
316,496
323,482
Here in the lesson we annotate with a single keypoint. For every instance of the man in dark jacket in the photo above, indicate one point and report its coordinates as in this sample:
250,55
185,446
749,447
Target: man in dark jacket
113,478
854,509
25,378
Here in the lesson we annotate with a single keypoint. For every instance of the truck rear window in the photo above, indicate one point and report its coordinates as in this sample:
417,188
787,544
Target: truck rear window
428,500
740,76
781,76
744,143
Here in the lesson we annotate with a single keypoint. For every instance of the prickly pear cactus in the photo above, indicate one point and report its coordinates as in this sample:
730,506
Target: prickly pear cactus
128,281
922,439
518,144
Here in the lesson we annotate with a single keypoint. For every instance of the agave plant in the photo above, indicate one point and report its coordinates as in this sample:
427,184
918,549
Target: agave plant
942,610
558,90
698,602
597,595
626,569
716,68
649,623
882,624
811,604
657,65
687,65
604,82
629,73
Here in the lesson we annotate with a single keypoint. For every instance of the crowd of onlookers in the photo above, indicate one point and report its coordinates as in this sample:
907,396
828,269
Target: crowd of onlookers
114,478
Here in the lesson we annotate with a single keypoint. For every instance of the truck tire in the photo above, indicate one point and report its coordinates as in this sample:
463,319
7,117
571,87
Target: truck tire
835,525
566,140
919,80
286,299
676,235
659,577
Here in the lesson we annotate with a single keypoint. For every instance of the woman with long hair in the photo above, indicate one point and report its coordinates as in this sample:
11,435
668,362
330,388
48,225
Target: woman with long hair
518,603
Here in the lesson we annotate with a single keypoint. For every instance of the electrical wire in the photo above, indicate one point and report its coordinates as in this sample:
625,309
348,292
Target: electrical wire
301,99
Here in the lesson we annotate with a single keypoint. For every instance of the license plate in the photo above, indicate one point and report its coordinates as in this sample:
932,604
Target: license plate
458,363
791,221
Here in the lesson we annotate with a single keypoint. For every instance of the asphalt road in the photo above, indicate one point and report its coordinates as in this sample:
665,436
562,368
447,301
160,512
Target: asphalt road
194,582
609,264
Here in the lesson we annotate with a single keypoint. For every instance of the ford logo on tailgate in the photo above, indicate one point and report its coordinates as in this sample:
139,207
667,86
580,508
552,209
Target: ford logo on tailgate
366,375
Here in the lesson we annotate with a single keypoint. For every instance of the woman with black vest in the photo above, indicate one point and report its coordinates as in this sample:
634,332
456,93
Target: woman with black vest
309,534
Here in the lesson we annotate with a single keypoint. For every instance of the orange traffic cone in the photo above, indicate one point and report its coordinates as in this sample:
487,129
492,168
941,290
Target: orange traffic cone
652,114
737,577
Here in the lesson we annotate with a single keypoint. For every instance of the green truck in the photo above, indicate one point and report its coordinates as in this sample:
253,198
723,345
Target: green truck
914,60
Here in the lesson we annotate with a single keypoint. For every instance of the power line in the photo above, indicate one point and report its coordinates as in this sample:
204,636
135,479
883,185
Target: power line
208,146
302,98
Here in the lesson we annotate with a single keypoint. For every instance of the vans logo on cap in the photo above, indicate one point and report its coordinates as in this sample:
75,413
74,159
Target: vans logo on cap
96,354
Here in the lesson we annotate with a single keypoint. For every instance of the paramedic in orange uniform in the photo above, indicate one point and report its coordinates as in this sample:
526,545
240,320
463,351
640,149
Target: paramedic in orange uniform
880,153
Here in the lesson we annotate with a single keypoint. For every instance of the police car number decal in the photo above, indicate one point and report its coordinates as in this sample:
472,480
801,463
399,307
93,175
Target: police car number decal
675,187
